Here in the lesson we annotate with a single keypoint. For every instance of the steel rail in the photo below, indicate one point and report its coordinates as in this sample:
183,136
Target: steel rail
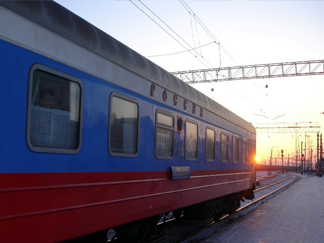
272,184
211,223
270,193
241,208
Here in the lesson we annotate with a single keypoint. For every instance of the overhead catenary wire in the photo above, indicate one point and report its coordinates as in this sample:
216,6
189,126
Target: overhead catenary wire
195,54
221,47
183,43
179,52
193,30
186,6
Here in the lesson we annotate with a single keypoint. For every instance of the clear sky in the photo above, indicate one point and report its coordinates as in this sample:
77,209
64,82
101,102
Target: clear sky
250,32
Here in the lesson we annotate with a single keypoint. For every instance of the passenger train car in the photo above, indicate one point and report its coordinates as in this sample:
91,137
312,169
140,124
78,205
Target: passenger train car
94,136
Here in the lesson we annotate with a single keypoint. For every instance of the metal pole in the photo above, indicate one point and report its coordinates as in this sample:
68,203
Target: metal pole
288,161
321,160
301,158
317,151
296,150
283,171
305,153
282,161
311,158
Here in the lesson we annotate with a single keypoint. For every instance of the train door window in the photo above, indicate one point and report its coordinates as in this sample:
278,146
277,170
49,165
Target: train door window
224,147
123,126
235,149
244,152
164,135
210,144
54,107
191,141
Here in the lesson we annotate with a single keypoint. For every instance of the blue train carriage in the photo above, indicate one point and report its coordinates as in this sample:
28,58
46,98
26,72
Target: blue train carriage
95,136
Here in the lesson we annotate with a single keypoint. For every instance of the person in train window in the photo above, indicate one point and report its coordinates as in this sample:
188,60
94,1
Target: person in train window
46,98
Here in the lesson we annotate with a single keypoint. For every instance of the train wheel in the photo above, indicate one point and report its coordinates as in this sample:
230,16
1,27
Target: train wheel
233,203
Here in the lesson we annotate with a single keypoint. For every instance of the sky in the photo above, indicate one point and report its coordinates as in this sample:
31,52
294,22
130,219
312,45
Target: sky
249,32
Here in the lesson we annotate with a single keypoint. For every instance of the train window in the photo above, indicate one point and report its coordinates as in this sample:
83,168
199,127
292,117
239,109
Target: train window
235,149
53,112
164,135
123,127
210,144
244,152
224,147
191,141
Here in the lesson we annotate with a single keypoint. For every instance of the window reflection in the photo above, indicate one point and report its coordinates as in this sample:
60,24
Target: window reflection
191,140
54,116
123,126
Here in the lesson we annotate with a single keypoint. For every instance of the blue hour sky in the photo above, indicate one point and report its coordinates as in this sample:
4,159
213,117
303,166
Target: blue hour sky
249,32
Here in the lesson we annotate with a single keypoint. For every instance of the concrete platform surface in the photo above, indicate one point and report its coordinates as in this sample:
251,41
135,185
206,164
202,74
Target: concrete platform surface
295,215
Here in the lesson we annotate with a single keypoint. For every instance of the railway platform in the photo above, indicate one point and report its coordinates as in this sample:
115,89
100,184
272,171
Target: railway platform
295,215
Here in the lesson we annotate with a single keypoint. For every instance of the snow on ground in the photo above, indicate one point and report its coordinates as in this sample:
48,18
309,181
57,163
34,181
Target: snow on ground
295,215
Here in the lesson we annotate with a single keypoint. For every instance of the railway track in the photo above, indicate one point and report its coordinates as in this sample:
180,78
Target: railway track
264,177
185,231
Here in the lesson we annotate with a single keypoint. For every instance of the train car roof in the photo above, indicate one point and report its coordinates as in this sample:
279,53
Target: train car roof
63,22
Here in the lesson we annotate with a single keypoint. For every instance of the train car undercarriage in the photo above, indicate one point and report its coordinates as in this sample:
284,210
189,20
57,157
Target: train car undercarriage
216,208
